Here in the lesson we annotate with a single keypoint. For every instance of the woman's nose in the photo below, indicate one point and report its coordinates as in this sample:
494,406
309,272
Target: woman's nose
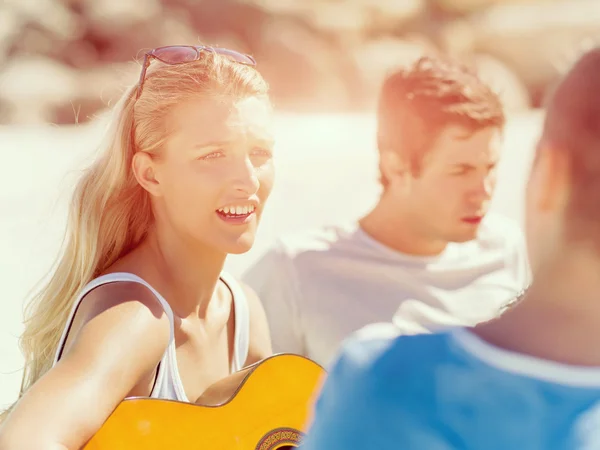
246,179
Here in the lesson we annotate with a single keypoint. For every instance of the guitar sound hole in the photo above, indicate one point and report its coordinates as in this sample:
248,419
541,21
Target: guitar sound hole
287,447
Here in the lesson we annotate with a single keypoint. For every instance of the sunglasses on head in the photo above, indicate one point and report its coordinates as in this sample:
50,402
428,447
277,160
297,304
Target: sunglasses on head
181,54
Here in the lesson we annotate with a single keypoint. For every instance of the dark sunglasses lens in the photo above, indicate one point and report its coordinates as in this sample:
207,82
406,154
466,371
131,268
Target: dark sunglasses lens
176,54
235,56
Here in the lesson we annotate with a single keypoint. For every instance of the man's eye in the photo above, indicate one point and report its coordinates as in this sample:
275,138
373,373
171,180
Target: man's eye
260,151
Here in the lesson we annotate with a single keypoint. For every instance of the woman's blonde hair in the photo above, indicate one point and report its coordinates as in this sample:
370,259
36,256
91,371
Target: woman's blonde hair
110,213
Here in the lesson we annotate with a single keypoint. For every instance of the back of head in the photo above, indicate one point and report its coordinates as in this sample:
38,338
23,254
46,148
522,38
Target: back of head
110,212
417,103
573,126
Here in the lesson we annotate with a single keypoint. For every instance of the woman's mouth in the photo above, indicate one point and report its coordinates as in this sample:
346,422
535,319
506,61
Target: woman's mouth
236,214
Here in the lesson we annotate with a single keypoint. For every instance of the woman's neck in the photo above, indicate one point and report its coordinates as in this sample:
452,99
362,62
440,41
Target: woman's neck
186,272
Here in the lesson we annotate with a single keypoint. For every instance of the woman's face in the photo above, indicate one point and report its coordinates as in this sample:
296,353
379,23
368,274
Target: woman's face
215,171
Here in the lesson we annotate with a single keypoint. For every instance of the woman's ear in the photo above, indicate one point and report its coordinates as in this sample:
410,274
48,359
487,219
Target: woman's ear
144,170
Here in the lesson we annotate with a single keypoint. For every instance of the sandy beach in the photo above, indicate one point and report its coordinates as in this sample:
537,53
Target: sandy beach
326,172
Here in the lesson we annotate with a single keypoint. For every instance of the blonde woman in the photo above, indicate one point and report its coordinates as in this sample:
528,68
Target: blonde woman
139,304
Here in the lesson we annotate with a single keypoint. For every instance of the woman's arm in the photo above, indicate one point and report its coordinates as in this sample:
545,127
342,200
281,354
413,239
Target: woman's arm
121,342
259,346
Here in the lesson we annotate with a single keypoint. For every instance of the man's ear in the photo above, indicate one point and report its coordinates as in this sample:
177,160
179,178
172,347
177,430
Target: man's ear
144,170
550,178
392,165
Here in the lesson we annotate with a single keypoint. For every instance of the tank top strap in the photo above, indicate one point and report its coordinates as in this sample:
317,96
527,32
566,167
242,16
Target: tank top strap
167,383
106,279
242,322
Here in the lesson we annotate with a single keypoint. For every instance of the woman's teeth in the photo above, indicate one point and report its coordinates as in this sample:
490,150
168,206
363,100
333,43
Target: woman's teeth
237,210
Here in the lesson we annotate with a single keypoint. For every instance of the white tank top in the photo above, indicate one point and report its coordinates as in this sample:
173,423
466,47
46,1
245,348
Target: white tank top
168,384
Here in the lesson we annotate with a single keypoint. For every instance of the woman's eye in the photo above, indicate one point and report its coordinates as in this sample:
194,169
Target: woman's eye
213,155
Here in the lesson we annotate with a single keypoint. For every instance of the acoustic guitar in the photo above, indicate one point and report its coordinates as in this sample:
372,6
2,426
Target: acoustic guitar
265,406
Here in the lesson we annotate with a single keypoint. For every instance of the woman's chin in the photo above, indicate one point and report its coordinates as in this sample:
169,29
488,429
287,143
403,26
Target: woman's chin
240,246
239,251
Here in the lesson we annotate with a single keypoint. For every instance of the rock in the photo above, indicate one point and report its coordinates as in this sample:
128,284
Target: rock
392,16
302,69
316,54
457,37
286,8
7,112
503,81
97,89
43,28
350,17
107,83
239,19
537,40
470,6
78,53
458,40
338,19
378,58
117,15
77,111
118,30
35,40
32,86
176,28
10,26
49,15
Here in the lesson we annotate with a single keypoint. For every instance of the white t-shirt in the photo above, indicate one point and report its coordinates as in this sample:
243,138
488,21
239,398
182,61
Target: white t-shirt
318,288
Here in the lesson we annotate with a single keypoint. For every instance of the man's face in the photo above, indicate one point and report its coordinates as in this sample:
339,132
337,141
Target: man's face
450,194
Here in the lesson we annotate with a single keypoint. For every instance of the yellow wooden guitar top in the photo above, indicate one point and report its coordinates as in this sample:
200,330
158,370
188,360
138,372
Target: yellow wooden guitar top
266,406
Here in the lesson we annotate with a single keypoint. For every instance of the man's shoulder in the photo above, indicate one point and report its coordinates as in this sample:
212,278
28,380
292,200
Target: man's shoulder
315,242
379,356
302,253
377,388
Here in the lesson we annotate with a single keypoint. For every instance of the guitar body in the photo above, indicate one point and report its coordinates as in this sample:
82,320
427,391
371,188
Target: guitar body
263,407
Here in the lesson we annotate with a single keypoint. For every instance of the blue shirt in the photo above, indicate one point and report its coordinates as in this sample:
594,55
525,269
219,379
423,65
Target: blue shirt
452,390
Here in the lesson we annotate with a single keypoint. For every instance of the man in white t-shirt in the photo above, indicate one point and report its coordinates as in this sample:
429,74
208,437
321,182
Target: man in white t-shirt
427,256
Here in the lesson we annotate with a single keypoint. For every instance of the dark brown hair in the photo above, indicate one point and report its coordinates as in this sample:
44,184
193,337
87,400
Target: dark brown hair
416,103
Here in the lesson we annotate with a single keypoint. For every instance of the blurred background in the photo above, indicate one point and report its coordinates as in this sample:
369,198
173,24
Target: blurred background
64,62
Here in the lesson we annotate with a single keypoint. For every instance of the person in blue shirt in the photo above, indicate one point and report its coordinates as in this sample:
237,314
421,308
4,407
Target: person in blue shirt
529,380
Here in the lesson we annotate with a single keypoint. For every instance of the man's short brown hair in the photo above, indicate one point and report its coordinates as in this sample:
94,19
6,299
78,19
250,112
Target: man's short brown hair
417,103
